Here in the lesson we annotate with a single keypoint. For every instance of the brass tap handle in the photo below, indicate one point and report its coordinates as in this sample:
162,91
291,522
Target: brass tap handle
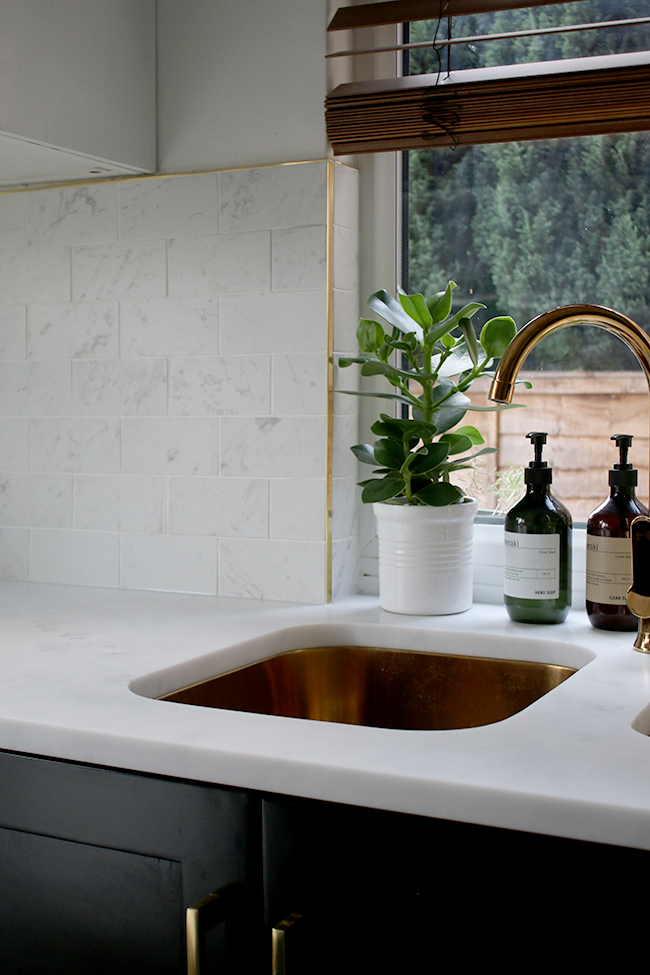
638,595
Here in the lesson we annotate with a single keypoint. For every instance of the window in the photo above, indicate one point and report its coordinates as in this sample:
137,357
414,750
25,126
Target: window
530,223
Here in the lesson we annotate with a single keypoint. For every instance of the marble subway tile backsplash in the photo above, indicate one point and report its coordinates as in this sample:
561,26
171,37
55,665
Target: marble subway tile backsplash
163,383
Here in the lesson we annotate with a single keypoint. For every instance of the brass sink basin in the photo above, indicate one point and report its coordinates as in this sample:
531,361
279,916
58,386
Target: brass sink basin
379,687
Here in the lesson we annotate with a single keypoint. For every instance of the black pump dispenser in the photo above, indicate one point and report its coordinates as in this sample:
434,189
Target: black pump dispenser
538,471
609,567
623,474
537,562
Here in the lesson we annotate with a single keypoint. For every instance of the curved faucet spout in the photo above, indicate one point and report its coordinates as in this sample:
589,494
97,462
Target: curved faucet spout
614,322
503,384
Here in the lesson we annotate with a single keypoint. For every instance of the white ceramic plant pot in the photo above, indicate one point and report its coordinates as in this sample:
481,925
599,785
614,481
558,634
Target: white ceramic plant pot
425,557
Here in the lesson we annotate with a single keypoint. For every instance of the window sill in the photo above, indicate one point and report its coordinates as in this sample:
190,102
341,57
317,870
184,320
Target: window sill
488,564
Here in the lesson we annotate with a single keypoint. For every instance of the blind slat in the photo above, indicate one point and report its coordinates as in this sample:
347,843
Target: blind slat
401,11
538,107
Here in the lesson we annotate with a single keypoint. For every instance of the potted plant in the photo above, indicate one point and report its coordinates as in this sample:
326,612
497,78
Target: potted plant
424,521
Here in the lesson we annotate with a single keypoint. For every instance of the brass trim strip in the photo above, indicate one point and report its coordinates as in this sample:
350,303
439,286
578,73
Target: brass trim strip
330,381
39,187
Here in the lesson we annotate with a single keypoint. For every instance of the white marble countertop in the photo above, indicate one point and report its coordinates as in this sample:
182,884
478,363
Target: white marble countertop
571,764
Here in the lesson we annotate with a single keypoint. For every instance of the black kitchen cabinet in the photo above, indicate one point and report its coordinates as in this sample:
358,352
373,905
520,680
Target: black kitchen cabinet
97,868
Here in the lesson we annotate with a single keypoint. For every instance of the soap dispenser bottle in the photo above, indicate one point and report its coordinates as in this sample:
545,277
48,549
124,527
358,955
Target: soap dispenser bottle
609,553
537,558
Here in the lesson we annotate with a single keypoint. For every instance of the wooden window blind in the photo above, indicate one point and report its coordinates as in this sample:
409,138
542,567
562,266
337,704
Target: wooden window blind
551,99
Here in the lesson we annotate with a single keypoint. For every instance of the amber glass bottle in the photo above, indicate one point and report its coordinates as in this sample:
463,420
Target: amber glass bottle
609,559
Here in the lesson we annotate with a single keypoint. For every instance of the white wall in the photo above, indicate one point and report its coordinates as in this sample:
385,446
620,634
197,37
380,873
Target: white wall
80,74
240,83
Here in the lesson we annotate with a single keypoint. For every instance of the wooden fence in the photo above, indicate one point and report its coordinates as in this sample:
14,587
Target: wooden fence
580,411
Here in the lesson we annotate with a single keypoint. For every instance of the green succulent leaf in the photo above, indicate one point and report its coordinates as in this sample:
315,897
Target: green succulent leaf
496,336
472,433
458,442
376,368
345,361
437,331
390,309
416,308
383,489
440,305
469,335
439,493
429,457
364,453
370,335
448,416
389,453
393,396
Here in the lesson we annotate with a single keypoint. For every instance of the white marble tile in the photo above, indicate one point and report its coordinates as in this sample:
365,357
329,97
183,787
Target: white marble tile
120,387
35,388
223,264
13,332
299,259
74,558
219,506
345,498
220,385
273,196
346,259
346,319
299,384
344,568
14,444
36,500
273,446
169,326
298,508
12,220
170,445
14,553
174,206
125,269
345,434
270,569
346,196
75,444
71,215
169,563
72,330
105,502
274,322
36,274
346,379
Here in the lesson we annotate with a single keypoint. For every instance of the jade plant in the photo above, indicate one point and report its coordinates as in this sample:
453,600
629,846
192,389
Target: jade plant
439,350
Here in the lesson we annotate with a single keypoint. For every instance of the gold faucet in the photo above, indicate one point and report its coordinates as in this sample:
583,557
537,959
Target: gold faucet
503,386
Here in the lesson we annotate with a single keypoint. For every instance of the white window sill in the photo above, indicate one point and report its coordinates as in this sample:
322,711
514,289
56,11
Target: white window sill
488,566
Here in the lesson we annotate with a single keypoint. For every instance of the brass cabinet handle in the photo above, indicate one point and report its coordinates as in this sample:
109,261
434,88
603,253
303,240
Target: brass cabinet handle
278,943
202,917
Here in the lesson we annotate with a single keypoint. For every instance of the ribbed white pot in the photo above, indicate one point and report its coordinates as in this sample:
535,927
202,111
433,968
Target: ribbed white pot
425,557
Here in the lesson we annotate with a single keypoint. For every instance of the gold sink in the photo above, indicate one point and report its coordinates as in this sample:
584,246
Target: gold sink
379,687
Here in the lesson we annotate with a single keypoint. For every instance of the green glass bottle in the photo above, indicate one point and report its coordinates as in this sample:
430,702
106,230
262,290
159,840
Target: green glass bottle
537,559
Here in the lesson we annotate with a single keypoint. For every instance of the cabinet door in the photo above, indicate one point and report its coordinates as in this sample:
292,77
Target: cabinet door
98,866
72,908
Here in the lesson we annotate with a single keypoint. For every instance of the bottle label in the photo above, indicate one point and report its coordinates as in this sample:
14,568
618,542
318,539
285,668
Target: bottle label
531,566
609,569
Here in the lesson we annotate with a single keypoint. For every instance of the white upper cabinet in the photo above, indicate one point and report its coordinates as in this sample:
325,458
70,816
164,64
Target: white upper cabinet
78,89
